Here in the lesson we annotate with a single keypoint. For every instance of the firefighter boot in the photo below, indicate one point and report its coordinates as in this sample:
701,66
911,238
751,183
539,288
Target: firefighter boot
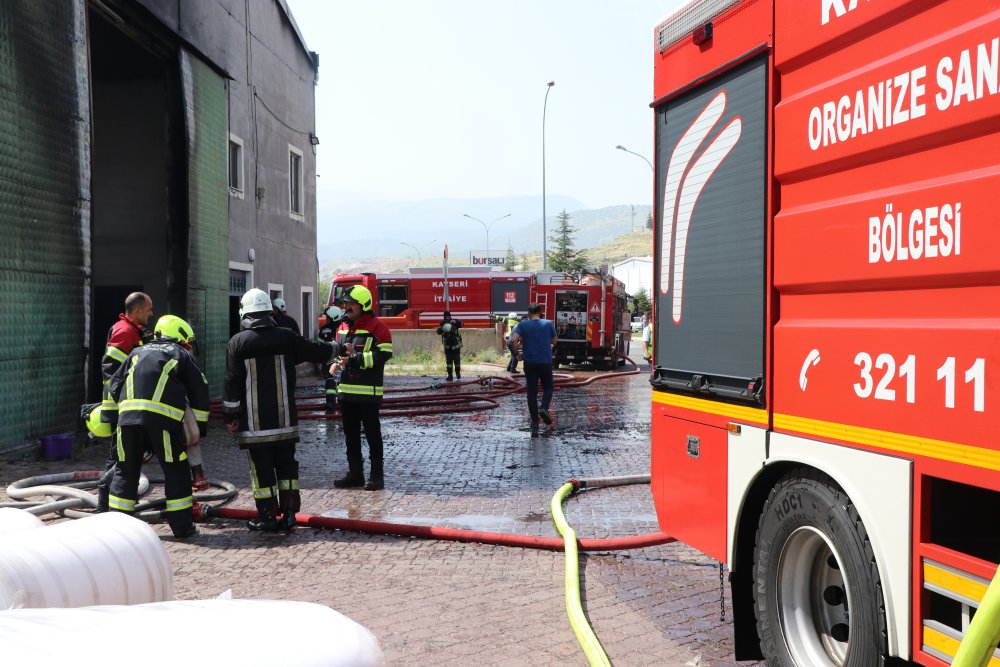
355,476
290,503
458,369
198,482
104,489
267,510
376,480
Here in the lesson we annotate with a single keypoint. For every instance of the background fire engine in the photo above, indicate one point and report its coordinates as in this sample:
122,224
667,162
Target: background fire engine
590,313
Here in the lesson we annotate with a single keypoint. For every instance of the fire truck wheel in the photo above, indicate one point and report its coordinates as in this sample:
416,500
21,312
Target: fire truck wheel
817,593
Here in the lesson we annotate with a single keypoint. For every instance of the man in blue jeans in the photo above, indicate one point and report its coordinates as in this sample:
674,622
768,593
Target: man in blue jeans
535,338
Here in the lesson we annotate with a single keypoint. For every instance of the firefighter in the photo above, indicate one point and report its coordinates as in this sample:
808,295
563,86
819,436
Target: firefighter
258,405
281,317
368,346
328,332
510,323
151,391
124,336
452,341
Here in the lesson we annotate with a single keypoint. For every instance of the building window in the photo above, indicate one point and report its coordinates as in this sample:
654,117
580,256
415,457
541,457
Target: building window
295,193
307,323
235,166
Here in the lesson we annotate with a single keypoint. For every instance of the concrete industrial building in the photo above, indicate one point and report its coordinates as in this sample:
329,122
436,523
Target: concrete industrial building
636,273
166,146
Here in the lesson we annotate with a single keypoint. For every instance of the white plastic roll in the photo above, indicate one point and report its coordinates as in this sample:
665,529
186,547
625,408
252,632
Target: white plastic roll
108,558
13,520
179,632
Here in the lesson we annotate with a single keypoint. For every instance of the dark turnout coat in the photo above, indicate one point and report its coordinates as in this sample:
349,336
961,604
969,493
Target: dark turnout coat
260,381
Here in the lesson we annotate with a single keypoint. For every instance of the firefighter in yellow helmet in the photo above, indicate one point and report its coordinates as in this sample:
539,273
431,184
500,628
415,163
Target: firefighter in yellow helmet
151,390
368,346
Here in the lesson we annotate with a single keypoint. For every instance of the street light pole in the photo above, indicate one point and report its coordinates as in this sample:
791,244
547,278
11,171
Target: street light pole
545,256
410,245
622,148
486,227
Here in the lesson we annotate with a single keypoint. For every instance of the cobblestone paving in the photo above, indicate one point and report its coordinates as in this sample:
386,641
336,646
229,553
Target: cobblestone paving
449,603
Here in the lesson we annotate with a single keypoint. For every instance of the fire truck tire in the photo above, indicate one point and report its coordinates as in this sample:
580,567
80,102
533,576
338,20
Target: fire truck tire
817,593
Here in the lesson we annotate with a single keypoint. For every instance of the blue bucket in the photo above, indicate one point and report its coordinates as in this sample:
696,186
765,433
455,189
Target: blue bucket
57,447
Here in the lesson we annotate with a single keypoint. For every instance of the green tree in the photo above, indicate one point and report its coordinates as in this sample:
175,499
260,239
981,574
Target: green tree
510,261
649,220
524,261
642,303
323,289
564,257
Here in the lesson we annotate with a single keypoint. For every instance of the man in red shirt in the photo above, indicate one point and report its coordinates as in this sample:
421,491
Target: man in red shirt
127,333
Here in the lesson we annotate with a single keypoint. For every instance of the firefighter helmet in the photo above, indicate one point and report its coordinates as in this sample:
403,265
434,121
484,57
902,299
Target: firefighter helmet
96,426
279,303
335,313
173,327
255,301
512,316
446,327
359,295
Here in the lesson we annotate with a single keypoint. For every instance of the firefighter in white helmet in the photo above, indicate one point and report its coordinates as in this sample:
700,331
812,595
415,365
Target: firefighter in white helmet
281,317
258,405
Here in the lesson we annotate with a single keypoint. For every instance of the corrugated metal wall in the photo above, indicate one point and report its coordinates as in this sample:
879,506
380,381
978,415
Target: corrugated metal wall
206,121
44,217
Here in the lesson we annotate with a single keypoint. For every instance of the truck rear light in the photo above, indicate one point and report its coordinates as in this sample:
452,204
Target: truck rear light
702,34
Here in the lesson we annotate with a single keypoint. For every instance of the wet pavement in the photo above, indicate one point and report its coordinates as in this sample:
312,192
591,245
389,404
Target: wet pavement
449,603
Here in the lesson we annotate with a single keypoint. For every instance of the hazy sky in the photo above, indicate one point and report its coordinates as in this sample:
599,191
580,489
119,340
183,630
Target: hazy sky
444,98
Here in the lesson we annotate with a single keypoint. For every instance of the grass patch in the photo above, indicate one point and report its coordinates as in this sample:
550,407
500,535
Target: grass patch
426,362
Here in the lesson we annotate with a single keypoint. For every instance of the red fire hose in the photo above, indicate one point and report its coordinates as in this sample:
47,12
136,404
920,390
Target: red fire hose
449,534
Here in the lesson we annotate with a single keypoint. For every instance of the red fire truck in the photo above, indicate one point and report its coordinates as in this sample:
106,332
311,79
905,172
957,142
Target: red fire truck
827,313
590,313
416,300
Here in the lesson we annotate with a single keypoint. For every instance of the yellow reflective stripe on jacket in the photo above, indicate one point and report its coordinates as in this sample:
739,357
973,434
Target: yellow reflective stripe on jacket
162,382
168,453
200,415
115,353
359,389
385,347
121,504
180,503
118,444
128,379
137,404
367,360
361,331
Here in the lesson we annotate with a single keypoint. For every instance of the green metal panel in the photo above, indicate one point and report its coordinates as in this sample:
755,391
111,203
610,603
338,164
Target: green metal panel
206,108
44,217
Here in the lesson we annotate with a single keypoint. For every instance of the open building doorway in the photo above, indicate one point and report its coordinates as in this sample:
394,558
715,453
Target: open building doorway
139,226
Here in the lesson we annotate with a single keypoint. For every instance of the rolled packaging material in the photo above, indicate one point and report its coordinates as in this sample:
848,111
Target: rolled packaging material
106,559
81,636
13,520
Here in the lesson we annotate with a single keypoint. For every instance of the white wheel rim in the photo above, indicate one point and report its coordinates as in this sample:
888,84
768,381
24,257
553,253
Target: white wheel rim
813,599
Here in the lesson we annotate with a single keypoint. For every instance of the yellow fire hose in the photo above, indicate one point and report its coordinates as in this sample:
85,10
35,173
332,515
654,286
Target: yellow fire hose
584,633
983,635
